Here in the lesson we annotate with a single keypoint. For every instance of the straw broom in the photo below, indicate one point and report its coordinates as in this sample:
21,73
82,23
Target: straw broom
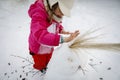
87,42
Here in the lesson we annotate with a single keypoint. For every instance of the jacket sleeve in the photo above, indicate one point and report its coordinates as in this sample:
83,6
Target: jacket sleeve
60,28
39,30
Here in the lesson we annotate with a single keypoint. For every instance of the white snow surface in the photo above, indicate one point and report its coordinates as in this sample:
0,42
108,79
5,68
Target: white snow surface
85,15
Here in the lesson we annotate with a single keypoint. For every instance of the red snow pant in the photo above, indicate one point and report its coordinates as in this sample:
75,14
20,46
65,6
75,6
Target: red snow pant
41,60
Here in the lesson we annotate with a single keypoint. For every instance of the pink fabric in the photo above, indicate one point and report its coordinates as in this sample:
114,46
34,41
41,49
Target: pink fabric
38,29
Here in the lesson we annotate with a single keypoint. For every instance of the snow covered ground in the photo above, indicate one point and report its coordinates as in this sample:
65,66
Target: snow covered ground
86,14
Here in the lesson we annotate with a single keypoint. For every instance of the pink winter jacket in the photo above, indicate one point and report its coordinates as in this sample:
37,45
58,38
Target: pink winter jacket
38,29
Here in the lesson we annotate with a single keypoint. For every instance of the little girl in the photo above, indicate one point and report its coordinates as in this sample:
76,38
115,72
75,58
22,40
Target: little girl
45,29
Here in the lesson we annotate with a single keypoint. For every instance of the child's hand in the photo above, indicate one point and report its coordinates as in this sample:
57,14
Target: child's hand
72,36
65,32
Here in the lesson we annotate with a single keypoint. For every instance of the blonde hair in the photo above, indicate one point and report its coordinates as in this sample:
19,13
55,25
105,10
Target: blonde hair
50,10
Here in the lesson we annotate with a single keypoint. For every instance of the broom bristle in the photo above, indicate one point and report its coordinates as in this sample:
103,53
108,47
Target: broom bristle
84,41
